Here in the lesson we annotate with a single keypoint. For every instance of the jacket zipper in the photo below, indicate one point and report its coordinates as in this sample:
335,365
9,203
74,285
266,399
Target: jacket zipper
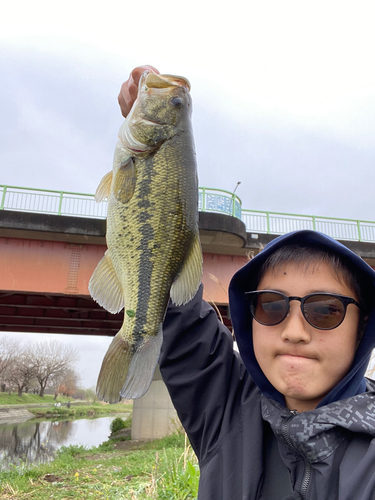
306,479
307,471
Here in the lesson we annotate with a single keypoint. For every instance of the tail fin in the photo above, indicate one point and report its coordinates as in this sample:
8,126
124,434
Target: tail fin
128,371
142,367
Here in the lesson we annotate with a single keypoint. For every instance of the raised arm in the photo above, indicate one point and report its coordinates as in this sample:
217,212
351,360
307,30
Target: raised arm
203,374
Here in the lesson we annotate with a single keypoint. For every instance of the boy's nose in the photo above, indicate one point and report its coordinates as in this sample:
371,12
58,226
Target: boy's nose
295,327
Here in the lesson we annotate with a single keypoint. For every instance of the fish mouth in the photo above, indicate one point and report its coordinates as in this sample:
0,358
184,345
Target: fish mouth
153,81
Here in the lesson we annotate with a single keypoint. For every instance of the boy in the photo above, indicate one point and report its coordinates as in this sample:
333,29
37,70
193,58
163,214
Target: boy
293,417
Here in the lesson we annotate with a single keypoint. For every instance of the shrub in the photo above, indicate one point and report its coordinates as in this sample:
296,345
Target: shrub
117,424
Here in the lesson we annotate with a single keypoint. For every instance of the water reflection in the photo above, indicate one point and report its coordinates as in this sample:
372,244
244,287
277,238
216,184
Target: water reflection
32,442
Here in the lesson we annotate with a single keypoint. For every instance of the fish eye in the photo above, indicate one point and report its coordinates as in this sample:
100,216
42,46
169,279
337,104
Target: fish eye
176,102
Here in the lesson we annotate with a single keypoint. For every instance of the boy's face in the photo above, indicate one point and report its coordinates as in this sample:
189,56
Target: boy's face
300,361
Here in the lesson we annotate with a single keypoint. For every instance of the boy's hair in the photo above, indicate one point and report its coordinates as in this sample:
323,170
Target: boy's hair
304,256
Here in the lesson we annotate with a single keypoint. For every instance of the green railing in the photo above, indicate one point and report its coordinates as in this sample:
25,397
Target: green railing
84,205
51,202
281,223
210,200
219,201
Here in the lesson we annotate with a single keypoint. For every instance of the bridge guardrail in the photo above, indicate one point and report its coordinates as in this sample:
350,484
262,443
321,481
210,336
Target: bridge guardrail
219,201
210,200
84,205
51,202
281,223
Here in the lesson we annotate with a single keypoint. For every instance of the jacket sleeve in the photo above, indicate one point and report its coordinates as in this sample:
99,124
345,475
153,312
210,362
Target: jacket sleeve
203,374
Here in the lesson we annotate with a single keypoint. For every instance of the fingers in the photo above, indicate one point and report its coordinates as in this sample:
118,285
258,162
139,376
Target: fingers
124,99
129,89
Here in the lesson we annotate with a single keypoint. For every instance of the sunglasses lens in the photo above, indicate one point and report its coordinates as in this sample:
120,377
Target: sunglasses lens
269,308
324,311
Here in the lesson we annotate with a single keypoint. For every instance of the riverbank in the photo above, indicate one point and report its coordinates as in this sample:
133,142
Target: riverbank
45,407
119,470
82,410
14,414
27,399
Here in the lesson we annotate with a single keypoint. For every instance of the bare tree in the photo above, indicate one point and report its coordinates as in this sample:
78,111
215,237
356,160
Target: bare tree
69,383
22,371
65,382
51,360
55,382
9,349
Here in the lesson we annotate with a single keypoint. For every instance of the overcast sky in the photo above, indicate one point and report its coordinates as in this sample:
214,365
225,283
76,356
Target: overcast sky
283,94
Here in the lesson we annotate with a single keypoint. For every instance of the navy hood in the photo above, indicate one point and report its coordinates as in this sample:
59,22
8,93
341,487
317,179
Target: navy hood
245,280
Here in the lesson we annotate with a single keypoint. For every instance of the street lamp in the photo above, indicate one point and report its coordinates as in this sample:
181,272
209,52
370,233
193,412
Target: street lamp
238,183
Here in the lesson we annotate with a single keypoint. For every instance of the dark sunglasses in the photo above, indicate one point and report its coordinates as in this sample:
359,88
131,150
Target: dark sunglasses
324,311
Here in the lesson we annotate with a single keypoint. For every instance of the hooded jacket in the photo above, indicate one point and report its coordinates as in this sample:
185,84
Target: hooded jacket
249,445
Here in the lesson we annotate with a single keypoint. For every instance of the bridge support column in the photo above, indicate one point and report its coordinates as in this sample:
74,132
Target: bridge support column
154,415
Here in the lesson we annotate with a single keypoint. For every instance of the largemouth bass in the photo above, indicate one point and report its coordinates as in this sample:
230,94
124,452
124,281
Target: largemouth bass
154,251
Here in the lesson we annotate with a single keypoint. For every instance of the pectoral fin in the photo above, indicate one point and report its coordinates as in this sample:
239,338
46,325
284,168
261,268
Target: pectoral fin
187,282
104,187
105,287
125,181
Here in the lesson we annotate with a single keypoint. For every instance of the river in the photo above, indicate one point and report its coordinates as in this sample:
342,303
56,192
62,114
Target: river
37,441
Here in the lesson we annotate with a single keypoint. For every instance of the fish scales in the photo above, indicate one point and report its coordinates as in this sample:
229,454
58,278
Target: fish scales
155,204
153,246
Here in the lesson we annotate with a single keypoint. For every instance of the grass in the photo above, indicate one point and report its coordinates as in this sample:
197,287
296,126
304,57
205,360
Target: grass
88,410
163,469
14,399
82,409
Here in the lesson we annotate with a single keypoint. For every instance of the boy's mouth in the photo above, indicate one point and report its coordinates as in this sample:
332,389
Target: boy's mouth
296,355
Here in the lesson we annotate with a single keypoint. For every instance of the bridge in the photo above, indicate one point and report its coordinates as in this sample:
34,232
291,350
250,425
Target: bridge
51,242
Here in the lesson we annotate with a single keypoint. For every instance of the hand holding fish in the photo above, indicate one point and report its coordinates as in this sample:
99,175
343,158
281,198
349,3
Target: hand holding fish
129,89
154,251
